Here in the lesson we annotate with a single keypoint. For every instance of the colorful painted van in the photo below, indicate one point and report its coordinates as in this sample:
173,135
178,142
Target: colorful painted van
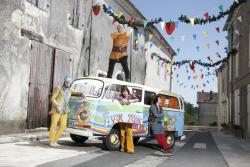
99,114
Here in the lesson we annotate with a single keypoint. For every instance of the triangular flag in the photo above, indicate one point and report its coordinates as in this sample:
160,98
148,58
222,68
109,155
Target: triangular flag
206,15
217,42
177,24
169,50
145,23
159,48
240,19
198,48
209,58
132,19
194,36
151,45
110,9
192,21
218,29
150,36
114,21
237,1
161,38
162,23
178,50
205,33
221,9
208,45
120,15
218,54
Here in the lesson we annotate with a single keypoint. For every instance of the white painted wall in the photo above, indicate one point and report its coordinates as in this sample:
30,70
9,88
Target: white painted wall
156,73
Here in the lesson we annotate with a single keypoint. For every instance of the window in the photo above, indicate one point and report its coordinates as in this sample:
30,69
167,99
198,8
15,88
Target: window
170,102
90,87
42,4
249,50
115,91
237,65
77,20
148,97
237,107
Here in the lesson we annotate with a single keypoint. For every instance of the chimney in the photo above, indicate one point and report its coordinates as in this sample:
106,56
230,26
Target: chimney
211,96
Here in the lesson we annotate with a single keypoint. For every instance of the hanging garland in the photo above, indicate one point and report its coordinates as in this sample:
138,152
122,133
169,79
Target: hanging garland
210,19
133,22
193,62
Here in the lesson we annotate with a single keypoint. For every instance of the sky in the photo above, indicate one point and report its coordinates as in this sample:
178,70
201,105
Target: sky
183,39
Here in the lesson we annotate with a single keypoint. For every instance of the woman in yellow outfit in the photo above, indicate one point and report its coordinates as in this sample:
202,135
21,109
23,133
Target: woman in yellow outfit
126,131
60,108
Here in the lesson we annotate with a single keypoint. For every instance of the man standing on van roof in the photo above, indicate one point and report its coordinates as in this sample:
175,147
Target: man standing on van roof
119,52
60,108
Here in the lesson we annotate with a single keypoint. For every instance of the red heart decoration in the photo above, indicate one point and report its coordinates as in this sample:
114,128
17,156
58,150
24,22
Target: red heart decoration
170,27
192,66
96,9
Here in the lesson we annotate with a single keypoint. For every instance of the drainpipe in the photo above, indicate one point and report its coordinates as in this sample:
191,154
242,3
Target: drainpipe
90,36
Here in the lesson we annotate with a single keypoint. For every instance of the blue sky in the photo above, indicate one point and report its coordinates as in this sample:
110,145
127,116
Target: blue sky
171,10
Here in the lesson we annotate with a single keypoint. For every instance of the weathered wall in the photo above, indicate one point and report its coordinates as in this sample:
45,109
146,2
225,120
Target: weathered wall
207,113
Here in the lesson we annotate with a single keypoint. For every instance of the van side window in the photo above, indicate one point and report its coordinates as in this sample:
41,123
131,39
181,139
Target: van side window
148,97
170,102
113,92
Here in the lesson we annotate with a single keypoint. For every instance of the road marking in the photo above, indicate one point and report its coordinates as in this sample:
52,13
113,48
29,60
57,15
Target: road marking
149,161
200,146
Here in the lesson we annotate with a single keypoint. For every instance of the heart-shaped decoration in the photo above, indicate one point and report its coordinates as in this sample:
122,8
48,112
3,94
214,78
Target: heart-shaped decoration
170,27
96,9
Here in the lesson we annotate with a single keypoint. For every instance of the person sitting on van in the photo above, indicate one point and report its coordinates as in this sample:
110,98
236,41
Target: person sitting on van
156,117
60,108
126,132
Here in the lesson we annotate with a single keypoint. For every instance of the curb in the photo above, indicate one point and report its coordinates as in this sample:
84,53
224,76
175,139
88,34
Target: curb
13,138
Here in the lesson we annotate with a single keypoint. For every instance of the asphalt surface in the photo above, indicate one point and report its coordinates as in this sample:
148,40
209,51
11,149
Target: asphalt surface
199,150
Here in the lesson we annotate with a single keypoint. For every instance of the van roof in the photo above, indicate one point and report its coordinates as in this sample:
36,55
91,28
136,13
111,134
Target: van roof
114,81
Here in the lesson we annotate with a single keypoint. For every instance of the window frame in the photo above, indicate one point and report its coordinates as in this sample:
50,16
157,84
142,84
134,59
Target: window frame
110,86
91,79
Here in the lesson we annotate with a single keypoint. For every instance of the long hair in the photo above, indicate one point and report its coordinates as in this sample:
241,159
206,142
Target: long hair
155,99
124,88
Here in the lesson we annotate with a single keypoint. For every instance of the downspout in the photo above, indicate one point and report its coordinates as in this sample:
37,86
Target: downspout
90,36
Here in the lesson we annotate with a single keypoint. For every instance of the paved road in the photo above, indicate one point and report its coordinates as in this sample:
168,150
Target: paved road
198,150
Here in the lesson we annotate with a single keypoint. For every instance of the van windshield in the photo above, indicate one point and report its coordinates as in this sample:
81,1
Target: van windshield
90,87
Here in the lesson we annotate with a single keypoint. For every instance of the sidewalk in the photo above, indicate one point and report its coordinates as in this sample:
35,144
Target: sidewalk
30,135
235,151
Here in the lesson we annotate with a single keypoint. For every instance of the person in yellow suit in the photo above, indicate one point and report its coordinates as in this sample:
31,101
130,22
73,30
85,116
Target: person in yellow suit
119,52
126,130
60,108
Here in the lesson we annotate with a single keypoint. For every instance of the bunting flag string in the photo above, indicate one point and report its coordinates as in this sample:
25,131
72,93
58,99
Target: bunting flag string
193,62
133,22
210,19
169,26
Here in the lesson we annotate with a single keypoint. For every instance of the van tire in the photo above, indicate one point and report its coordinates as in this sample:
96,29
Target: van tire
112,141
170,139
136,140
78,139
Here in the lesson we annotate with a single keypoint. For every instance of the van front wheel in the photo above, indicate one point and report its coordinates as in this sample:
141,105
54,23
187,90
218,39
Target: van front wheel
78,139
112,140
